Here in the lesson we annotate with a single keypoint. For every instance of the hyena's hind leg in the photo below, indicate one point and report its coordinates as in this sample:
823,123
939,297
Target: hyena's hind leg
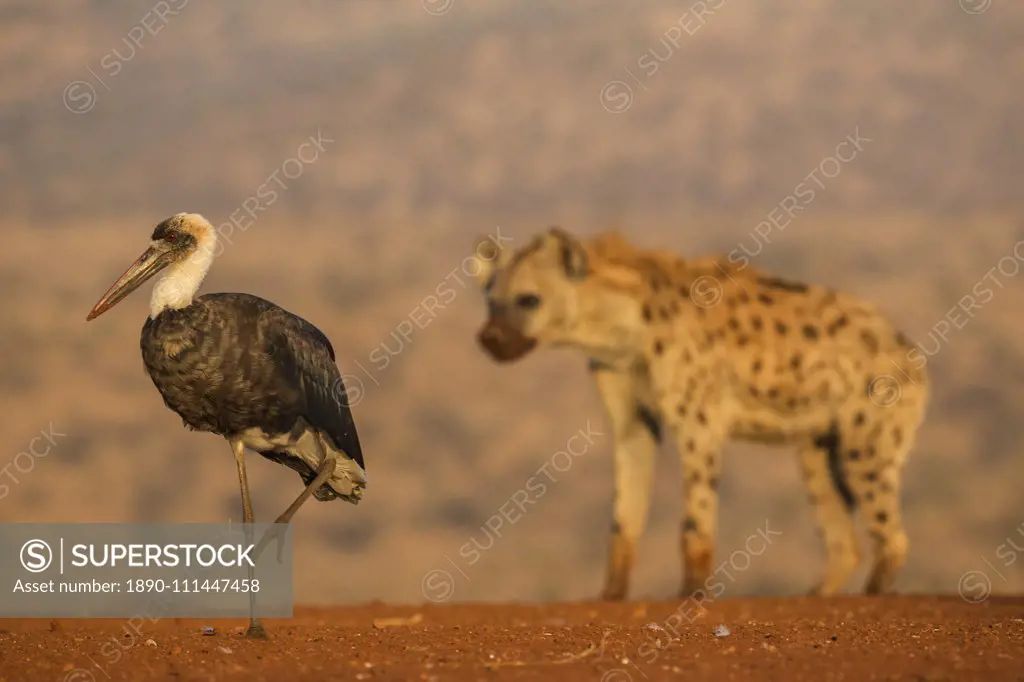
885,526
875,442
834,504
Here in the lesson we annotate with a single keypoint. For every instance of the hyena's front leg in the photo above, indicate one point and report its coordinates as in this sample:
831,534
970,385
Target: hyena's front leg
635,431
699,436
634,466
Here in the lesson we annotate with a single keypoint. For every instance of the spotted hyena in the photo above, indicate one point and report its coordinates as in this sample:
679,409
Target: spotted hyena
706,351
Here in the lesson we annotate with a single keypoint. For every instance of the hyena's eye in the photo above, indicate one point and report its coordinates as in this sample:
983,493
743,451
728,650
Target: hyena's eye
527,301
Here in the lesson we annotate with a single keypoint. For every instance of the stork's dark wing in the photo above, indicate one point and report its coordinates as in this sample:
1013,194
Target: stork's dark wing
304,362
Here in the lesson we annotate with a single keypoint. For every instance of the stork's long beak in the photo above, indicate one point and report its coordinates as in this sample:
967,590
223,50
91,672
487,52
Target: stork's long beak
153,260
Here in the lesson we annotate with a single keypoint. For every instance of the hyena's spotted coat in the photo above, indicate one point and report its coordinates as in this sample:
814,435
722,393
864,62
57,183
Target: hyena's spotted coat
706,351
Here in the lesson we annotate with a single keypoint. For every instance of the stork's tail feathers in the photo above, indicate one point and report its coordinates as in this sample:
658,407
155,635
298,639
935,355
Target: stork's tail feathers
328,492
347,483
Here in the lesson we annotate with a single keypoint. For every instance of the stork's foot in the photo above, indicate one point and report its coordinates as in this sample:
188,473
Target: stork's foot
256,631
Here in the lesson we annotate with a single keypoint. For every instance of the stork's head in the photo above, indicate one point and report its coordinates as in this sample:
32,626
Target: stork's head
185,243
182,233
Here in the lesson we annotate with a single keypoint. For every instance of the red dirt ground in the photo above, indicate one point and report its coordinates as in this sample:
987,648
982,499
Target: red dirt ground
824,640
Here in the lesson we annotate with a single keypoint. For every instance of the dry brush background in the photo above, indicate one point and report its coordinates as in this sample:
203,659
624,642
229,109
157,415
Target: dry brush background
485,115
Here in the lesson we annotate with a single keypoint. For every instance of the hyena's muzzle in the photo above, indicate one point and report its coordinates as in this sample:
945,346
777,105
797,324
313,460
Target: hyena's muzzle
502,341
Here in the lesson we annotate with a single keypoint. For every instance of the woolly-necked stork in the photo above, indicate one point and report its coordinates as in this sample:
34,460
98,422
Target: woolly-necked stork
244,368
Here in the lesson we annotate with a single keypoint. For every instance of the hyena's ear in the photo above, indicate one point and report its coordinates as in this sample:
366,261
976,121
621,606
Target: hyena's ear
489,256
571,253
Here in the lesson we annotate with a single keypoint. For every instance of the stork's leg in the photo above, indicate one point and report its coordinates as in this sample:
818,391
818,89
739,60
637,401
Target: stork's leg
239,449
256,629
323,472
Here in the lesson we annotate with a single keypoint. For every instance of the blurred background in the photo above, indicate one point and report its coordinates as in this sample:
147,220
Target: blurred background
683,124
